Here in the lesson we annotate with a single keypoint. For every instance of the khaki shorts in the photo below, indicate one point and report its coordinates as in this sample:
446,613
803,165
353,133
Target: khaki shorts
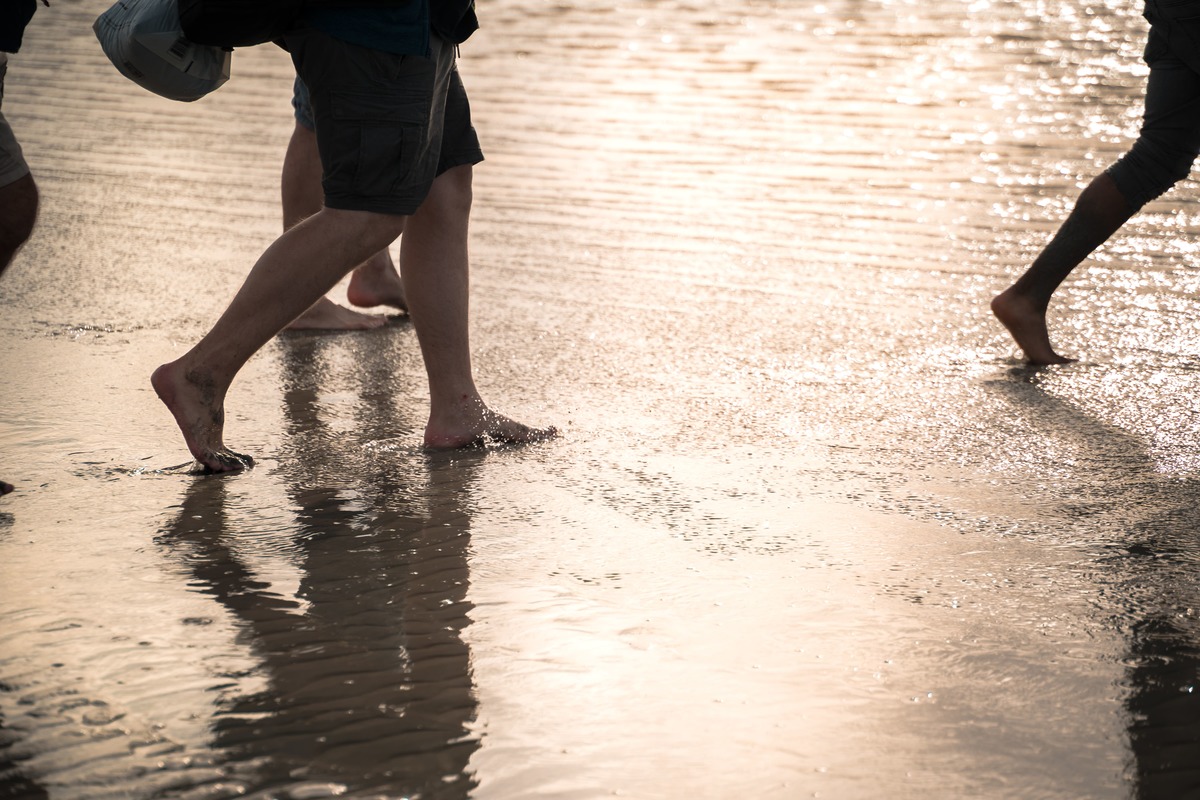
386,124
12,162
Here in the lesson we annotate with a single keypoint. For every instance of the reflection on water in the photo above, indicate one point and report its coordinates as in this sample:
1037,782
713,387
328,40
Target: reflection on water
811,529
1164,705
363,680
1154,520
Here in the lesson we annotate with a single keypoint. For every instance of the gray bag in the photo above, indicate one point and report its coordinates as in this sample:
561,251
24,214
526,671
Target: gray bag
144,41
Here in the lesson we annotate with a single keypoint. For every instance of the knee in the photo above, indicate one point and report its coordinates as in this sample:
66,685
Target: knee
1174,165
1164,161
384,228
18,213
393,225
452,193
15,232
303,137
1154,165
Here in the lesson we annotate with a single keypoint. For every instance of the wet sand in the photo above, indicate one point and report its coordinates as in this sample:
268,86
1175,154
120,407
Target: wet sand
811,530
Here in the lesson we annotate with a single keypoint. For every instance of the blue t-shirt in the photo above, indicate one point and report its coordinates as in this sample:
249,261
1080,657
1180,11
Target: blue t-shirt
403,31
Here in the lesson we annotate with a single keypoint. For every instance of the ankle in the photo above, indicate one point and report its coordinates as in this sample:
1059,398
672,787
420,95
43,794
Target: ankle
1019,298
374,268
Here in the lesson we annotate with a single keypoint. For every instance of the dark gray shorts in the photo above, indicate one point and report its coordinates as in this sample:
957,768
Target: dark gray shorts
386,124
1169,141
12,162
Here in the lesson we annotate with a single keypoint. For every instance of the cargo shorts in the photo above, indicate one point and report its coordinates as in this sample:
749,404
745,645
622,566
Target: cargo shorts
386,124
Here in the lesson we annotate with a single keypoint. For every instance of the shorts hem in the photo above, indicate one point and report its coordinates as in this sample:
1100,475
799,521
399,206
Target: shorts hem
460,159
374,206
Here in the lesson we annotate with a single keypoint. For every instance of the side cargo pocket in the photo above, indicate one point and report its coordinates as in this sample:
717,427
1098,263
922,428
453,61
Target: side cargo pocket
377,138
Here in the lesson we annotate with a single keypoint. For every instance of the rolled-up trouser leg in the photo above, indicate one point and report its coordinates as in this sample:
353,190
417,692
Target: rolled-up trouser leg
1170,137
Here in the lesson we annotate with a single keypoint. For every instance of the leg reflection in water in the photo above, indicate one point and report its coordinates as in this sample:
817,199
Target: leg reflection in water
1164,705
363,679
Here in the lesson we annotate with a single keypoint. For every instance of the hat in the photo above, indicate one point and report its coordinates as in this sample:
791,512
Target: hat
144,41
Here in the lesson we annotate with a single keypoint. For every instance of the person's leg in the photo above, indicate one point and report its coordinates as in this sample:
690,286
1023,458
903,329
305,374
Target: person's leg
435,268
18,192
406,103
18,199
301,196
375,282
300,193
302,265
1163,154
18,212
1099,212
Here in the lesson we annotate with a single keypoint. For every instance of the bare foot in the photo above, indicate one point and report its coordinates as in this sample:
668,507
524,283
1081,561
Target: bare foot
473,424
1027,324
377,283
198,407
326,315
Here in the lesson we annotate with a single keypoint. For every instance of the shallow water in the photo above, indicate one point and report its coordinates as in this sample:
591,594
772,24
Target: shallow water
812,529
